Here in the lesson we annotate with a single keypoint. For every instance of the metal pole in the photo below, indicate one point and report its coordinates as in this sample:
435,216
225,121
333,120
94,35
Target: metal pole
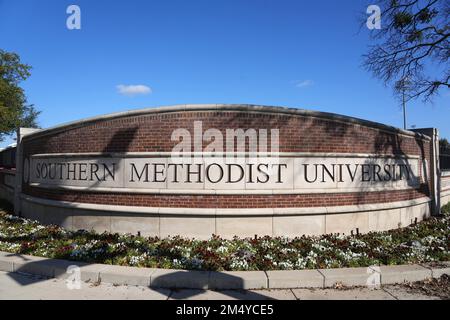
404,109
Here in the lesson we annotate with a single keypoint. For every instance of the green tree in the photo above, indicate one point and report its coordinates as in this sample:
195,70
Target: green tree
15,112
411,50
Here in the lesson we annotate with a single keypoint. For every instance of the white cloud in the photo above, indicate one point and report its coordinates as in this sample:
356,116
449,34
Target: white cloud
304,83
133,90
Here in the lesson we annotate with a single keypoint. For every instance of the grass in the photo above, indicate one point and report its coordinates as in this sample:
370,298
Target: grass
426,241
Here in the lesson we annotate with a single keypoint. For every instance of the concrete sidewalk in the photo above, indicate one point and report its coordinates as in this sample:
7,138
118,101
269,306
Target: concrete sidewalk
22,286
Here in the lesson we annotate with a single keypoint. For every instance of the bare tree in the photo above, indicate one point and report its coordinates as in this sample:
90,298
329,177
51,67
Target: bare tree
413,47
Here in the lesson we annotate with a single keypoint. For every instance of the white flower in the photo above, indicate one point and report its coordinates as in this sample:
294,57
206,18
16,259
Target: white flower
288,250
285,265
357,243
319,247
135,260
239,264
269,257
222,249
301,263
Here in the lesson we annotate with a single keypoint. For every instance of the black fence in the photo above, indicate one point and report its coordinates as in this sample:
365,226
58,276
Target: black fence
444,158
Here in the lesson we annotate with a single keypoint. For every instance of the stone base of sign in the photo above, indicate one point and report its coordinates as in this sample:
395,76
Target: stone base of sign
167,278
202,223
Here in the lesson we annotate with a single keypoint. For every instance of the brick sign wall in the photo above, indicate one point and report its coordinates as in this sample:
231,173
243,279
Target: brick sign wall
320,154
323,160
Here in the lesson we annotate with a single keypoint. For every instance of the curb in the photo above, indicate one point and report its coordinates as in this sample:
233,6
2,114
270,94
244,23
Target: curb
171,278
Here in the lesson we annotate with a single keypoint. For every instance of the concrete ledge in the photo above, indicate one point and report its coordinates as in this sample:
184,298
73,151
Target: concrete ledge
438,268
238,280
6,262
26,264
123,275
88,272
168,278
286,279
34,265
185,279
50,268
404,273
345,276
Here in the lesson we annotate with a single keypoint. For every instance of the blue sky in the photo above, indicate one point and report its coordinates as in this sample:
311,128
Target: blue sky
304,54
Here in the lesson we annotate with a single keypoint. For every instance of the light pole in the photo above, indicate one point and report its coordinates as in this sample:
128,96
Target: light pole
402,85
404,108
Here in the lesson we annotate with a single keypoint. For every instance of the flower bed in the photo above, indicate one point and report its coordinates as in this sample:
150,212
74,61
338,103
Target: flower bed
426,241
